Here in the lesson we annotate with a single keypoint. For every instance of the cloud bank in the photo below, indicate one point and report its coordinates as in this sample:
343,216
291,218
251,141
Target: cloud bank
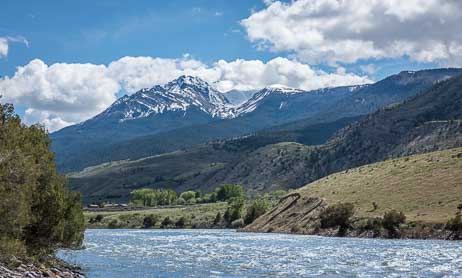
62,94
339,31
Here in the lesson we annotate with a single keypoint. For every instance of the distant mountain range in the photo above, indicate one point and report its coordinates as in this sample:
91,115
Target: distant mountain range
189,111
292,154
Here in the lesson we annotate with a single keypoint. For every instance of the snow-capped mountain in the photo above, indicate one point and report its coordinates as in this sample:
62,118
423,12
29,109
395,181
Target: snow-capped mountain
189,111
180,94
239,97
257,98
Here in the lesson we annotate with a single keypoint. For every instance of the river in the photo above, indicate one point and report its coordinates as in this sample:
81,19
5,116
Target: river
226,253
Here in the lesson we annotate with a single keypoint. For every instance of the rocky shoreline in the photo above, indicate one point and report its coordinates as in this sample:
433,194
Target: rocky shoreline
55,268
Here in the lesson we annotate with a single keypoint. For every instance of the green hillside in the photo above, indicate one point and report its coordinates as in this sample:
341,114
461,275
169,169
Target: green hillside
426,188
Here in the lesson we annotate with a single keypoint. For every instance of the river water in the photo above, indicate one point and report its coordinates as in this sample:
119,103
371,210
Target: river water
226,253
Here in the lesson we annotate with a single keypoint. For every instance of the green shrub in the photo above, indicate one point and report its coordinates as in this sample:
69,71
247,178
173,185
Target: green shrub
337,215
238,223
229,191
257,209
181,222
455,224
99,218
113,224
235,209
217,219
180,201
391,222
150,221
374,225
166,222
188,195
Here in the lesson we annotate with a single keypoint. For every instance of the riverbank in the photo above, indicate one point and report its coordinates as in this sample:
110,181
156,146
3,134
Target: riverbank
192,216
53,267
301,214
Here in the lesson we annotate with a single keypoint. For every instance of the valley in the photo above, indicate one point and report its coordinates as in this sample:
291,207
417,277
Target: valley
291,155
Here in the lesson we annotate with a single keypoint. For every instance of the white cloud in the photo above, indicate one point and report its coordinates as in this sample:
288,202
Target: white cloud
254,74
61,94
3,47
4,41
333,31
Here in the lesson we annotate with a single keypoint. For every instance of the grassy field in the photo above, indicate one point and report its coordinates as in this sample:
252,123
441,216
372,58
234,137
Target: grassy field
201,215
427,187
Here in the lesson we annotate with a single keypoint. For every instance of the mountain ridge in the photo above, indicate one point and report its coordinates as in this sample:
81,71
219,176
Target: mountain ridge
102,138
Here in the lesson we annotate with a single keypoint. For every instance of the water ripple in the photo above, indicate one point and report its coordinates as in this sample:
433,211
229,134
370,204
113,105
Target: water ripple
225,253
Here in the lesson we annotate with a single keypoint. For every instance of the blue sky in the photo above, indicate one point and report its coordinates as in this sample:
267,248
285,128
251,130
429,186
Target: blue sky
103,31
62,62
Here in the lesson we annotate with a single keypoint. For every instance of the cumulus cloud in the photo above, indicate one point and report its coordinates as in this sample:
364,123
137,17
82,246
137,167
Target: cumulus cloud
62,94
338,31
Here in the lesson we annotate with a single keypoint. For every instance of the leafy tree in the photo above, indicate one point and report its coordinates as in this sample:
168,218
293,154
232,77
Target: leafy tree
210,197
257,209
37,211
235,209
188,195
228,191
337,215
99,217
153,197
391,221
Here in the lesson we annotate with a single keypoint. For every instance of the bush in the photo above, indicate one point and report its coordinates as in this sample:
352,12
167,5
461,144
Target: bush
257,209
181,222
235,209
99,218
180,201
374,225
188,195
114,224
238,223
150,221
337,215
229,191
455,224
217,219
166,222
391,221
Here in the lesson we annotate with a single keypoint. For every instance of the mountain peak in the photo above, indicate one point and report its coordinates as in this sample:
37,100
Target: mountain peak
190,80
279,88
